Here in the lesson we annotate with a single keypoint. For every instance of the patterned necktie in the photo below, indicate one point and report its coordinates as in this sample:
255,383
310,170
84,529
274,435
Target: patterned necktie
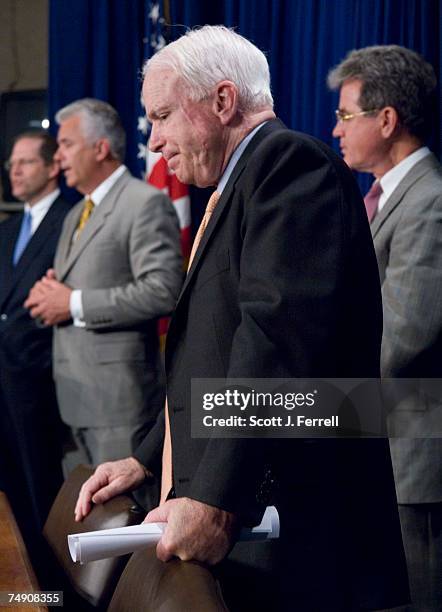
211,205
23,237
167,472
371,200
88,207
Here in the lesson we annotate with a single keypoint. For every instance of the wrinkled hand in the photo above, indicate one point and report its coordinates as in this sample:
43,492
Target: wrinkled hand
194,531
49,300
108,480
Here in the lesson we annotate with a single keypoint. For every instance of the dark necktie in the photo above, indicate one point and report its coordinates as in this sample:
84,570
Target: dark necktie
371,200
23,237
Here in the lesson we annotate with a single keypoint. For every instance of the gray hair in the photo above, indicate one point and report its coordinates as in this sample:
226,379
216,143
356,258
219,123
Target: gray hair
98,120
203,57
391,76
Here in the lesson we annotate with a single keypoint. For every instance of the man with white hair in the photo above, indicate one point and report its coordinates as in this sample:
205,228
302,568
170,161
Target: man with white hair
282,274
117,269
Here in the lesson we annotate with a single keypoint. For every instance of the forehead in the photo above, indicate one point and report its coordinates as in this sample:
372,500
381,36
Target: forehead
27,146
349,95
70,126
160,89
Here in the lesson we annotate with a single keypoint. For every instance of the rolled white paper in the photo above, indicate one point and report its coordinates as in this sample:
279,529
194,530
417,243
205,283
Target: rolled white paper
94,545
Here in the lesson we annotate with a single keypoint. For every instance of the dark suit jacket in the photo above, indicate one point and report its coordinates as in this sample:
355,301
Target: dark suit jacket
285,284
29,420
23,344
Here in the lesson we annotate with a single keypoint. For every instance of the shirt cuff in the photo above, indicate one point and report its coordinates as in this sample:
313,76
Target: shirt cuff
76,306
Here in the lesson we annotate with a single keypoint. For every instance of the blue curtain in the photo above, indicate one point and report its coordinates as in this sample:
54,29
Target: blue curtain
96,49
303,39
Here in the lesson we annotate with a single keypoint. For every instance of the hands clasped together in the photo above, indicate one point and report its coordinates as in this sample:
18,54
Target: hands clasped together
194,530
49,300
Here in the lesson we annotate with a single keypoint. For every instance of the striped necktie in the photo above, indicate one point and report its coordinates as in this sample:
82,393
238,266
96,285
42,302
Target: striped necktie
211,205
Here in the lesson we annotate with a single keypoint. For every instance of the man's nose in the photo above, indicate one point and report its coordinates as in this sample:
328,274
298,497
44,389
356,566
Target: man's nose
15,169
338,130
156,140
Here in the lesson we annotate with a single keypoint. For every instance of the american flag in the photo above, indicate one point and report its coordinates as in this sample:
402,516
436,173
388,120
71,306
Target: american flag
156,171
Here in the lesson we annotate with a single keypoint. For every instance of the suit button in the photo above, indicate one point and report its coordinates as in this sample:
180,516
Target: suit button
3,317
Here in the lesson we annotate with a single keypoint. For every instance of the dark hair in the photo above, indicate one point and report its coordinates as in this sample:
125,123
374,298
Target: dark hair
391,76
48,143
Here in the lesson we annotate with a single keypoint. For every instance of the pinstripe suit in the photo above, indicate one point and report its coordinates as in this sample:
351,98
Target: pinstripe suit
407,236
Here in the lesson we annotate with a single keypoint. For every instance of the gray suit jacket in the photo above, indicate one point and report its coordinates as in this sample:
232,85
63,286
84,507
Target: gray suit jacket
128,266
407,236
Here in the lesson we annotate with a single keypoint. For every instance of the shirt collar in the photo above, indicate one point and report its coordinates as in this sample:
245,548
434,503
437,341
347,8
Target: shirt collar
393,177
43,205
103,188
235,158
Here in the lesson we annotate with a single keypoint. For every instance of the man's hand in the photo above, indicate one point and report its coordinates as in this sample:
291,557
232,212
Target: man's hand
108,480
194,531
49,300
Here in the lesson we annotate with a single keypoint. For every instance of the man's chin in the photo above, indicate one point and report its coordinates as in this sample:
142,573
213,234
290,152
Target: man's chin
18,195
70,182
181,176
348,161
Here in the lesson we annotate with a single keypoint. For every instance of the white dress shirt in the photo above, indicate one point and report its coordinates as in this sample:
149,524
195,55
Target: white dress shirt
393,177
39,210
235,157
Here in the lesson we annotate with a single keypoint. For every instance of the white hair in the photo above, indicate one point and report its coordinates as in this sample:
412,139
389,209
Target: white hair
98,120
203,57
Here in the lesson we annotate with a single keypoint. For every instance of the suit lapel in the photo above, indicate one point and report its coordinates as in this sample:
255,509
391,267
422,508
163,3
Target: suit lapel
33,248
420,169
69,252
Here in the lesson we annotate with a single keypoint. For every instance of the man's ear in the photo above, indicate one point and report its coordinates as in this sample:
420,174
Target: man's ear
54,169
389,121
225,101
102,149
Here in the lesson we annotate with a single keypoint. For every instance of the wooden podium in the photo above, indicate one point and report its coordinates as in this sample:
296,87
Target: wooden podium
16,573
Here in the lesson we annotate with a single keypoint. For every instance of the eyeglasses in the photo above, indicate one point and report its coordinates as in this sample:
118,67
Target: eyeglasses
19,162
343,116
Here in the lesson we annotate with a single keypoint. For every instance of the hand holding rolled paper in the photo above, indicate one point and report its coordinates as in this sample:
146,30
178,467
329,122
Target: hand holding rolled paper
94,545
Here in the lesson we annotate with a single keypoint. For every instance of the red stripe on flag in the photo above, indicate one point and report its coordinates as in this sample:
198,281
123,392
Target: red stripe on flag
176,189
158,175
186,243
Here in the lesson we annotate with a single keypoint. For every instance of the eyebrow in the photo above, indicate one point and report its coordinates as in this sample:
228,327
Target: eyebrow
155,113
